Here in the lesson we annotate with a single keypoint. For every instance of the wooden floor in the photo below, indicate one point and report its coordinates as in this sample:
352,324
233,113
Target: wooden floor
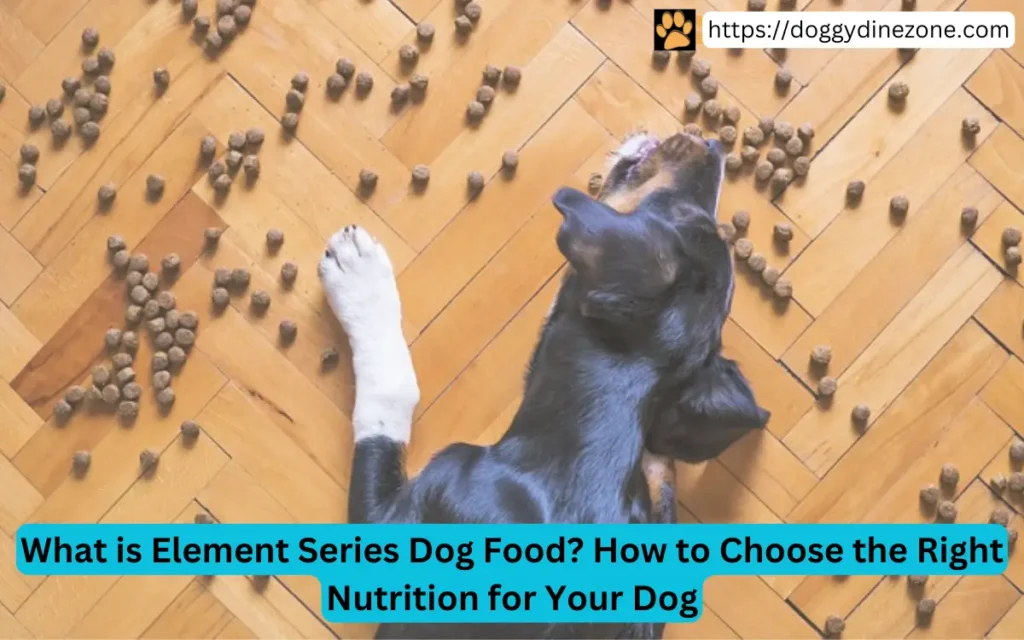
924,323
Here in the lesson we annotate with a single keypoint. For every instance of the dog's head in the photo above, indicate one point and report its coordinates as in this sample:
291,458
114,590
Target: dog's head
654,275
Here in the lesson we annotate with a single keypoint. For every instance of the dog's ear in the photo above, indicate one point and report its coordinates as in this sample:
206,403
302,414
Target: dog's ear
624,261
716,407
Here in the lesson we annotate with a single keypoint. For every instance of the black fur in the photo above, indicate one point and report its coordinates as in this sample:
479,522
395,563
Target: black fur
629,358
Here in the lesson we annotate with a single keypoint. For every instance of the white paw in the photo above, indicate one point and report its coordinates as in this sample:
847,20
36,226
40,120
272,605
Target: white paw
360,286
359,283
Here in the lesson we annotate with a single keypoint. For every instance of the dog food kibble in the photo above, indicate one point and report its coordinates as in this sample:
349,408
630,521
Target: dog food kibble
733,161
781,178
90,66
511,76
240,278
131,391
345,68
898,91
60,130
821,355
151,281
802,166
217,169
121,361
692,103
694,130
166,300
335,85
189,8
227,28
116,243
160,361
425,32
1011,237
970,127
1012,256
54,108
764,170
90,38
783,131
121,260
999,516
1017,451
222,277
94,394
741,220
509,161
185,338
151,309
834,625
233,160
408,54
776,156
200,25
794,146
485,94
660,58
783,79
475,111
861,414
420,175
112,338
899,205
364,81
700,69
162,378
81,115
222,184
969,217
731,114
74,395
947,511
753,136
782,232
743,248
949,475
100,376
727,134
749,154
770,276
475,181
491,75
80,462
130,343
260,300
98,103
998,483
251,166
367,180
709,87
727,232
289,271
62,411
149,459
29,153
161,78
172,319
925,609
295,100
1016,482
806,132
171,263
827,387
27,175
155,186
757,263
287,331
329,358
300,81
128,410
712,109
111,394
418,85
854,190
165,398
473,10
399,95
90,132
917,581
164,341
157,326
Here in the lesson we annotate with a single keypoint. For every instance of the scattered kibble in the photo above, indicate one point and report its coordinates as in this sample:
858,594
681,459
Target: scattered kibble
802,166
509,161
155,186
335,85
260,300
861,414
90,132
733,162
750,154
112,338
29,153
998,483
329,358
121,361
420,175
947,511
491,75
712,110
62,411
1017,451
827,387
80,462
1016,482
418,85
660,58
1012,256
100,376
727,134
463,25
203,518
757,263
161,78
233,160
999,516
111,394
709,87
930,495
98,104
473,11
90,66
364,82
189,430
917,581
165,398
743,248
345,68
54,108
295,100
220,297
782,232
185,338
511,77
160,361
485,94
287,331
251,167
400,95
425,32
132,391
151,282
222,184
776,156
149,459
201,25
475,111
475,182
783,131
1011,237
289,271
764,170
189,8
969,217
27,175
925,609
898,91
727,232
164,341
90,38
408,55
970,127
899,206
240,278
781,178
949,475
834,625
855,190
783,79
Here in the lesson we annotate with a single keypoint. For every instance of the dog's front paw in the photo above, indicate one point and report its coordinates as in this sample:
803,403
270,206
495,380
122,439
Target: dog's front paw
359,283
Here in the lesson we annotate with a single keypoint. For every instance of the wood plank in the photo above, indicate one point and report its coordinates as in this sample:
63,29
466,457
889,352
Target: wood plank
194,613
1004,391
20,268
17,421
996,160
1001,315
989,238
970,609
999,84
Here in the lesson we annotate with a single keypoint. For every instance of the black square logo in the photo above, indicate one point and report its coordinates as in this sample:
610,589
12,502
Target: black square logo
675,29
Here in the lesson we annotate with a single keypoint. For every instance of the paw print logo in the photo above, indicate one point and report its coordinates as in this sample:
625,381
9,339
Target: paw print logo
673,30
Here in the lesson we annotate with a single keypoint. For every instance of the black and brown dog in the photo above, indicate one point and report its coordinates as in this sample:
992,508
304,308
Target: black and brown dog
627,375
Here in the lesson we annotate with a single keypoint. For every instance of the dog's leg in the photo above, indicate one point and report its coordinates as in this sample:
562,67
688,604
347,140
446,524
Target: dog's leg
359,283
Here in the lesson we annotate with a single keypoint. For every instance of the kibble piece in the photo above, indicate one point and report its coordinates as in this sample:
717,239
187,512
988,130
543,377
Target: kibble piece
116,243
259,300
251,166
295,100
156,326
694,130
160,361
222,184
399,95
100,376
511,77
425,32
749,154
237,140
112,338
999,516
709,87
172,319
475,182
189,430
899,206
90,66
212,236
776,156
821,355
165,398
418,84
861,414
287,331
227,28
148,459
329,358
155,185
475,111
240,278
111,394
727,134
364,81
151,309
1012,256
727,232
220,297
171,263
131,391
420,174
367,180
783,79
82,97
834,625
80,462
161,78
463,25
770,276
164,341
491,75
166,300
189,8
757,263
54,108
764,170
300,81
801,166
27,175
969,217
827,387
743,248
203,518
741,220
200,26
509,161
121,361
335,85
98,103
970,127
925,609
162,378
782,232
151,281
130,342
62,411
74,395
660,58
185,338
898,91
90,38
949,475
217,169
917,581
712,110
60,130
345,68
692,103
794,146
29,153
1016,482
289,271
998,483
90,132
781,178
81,115
947,511
408,55
855,190
1011,237
733,162
128,410
102,85
233,160
473,11
753,136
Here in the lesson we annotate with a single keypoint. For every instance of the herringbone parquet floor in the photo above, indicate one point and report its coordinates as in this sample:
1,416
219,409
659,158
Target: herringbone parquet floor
924,321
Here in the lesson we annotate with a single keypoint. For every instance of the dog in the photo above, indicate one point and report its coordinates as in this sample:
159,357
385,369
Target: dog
627,374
